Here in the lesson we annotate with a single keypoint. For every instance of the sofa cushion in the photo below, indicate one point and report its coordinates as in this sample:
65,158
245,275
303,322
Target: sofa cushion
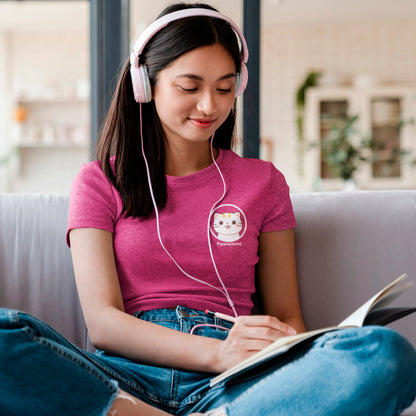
36,273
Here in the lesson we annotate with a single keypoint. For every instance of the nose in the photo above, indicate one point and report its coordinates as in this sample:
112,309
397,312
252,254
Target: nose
206,103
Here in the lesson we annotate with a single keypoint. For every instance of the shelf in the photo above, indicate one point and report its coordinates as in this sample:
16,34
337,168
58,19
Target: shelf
387,124
51,101
329,123
51,146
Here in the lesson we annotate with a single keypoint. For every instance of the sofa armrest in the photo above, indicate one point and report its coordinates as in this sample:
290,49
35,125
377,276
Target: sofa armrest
36,273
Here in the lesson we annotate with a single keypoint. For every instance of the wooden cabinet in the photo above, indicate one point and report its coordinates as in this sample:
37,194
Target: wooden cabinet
385,123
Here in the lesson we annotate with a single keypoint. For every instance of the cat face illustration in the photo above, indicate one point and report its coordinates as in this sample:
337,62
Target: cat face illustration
228,226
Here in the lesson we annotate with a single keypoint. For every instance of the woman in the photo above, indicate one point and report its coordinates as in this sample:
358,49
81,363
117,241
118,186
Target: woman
168,223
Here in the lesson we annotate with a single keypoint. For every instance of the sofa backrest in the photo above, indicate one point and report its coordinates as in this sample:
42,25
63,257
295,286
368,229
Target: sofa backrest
349,245
36,273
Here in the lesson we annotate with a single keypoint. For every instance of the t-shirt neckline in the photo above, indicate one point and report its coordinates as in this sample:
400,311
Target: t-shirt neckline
198,176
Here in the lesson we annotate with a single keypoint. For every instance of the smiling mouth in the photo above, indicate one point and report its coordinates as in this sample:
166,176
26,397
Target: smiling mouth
202,123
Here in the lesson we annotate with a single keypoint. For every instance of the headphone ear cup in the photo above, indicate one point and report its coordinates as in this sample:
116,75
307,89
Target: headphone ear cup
241,80
141,84
137,84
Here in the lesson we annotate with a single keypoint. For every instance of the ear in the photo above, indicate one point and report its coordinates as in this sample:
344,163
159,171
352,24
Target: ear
237,214
216,215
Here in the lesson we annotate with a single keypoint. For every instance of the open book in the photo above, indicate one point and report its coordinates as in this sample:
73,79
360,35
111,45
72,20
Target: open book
373,312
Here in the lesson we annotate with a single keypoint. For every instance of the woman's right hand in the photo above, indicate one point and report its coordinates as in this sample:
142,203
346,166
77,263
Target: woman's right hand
249,335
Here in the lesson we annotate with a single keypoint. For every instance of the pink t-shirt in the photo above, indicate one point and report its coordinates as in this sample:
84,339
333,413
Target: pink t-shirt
257,200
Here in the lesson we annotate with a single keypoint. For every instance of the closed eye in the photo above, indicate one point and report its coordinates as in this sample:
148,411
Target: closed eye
189,90
224,90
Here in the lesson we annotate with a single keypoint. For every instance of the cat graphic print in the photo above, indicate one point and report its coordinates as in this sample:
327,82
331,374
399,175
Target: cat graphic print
229,223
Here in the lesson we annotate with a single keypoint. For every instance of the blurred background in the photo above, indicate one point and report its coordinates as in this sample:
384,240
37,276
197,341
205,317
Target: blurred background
337,91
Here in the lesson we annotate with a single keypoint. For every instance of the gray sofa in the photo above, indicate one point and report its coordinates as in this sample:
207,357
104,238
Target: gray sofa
349,245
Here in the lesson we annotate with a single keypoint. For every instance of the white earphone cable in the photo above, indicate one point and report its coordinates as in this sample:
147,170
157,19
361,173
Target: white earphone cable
224,290
226,294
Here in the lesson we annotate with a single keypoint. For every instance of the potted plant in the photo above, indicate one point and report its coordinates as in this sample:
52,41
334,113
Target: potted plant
344,153
338,151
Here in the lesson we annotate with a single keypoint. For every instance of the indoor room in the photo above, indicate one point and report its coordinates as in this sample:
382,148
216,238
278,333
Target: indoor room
179,237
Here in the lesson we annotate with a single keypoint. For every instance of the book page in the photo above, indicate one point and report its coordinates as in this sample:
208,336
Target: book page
358,316
391,296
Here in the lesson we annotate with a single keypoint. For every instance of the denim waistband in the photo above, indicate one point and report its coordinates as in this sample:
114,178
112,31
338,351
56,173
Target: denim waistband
185,319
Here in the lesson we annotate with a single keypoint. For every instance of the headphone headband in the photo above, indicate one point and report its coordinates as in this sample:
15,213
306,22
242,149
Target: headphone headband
141,83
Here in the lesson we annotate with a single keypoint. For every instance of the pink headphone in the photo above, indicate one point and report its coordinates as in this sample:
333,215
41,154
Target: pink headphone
140,80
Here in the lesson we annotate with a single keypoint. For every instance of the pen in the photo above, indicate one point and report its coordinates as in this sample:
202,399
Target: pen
221,316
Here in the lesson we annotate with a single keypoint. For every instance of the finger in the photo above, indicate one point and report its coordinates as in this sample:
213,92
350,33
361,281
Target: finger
251,345
266,321
264,333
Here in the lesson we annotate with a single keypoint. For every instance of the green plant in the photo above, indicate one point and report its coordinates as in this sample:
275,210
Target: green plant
338,151
4,160
311,80
344,152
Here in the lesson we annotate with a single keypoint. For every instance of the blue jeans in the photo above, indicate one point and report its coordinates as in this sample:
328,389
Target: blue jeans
364,371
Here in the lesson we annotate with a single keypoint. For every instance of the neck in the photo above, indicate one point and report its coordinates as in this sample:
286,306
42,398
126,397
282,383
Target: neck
189,160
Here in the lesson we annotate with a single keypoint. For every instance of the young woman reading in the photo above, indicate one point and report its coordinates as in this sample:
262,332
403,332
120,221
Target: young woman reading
169,222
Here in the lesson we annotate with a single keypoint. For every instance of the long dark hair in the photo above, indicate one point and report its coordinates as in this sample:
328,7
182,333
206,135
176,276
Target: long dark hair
120,136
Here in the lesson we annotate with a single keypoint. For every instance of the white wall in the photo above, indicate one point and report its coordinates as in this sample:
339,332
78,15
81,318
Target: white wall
45,65
44,52
48,60
385,51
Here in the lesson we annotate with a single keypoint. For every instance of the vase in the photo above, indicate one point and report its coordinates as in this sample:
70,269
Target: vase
350,185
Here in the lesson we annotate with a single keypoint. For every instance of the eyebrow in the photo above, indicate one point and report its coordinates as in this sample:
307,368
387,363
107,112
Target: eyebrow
199,78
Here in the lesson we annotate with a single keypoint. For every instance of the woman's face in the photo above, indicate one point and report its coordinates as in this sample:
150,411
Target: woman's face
195,94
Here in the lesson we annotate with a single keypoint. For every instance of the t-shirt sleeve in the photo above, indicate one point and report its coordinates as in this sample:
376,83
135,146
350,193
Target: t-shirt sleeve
278,213
92,202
